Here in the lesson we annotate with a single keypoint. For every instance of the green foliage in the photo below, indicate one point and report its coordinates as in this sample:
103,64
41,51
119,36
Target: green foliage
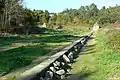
28,17
113,39
89,14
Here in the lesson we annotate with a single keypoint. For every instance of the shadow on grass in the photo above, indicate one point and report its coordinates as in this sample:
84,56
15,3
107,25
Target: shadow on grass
48,35
59,38
4,41
79,76
13,59
90,46
19,57
88,49
8,39
16,41
82,76
90,52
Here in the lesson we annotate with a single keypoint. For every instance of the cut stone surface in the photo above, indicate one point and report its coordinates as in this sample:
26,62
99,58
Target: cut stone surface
66,58
70,56
60,72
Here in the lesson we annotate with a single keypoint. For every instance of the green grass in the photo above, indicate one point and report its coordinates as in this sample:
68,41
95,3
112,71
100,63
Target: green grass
99,61
113,39
108,58
34,46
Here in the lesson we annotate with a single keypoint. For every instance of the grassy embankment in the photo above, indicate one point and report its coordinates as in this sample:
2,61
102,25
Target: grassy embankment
34,46
100,58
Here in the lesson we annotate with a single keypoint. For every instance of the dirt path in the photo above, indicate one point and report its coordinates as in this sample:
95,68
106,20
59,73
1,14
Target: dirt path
84,66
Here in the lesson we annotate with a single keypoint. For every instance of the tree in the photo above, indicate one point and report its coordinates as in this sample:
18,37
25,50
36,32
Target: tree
104,7
11,9
59,19
29,18
52,19
93,10
1,6
45,17
38,16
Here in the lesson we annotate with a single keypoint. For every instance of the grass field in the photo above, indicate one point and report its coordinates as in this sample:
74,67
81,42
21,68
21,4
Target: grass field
100,58
108,57
23,50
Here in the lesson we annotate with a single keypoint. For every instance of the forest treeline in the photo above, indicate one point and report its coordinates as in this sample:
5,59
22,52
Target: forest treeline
14,17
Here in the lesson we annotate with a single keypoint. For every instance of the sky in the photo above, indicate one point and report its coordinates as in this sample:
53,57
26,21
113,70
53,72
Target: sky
60,5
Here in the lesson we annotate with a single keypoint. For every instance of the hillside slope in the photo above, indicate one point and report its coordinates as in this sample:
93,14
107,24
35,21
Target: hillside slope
100,57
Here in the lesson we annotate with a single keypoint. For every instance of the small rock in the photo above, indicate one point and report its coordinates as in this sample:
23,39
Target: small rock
41,78
54,64
60,72
66,58
63,63
58,63
70,56
48,75
53,69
